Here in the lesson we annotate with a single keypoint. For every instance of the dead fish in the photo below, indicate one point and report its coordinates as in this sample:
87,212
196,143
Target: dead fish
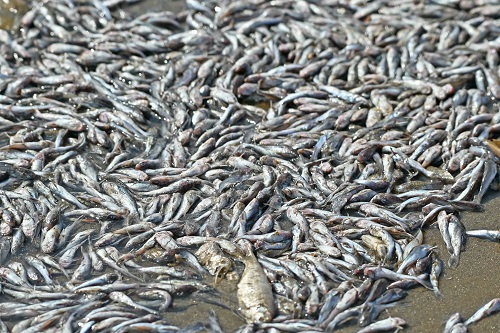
254,292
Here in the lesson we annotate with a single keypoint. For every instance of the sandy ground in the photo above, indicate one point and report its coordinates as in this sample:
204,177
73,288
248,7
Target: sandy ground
472,284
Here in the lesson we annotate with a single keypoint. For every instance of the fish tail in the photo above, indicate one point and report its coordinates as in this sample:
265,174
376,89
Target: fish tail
438,293
454,261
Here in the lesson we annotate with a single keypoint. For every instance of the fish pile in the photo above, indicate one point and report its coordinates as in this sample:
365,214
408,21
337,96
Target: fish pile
301,145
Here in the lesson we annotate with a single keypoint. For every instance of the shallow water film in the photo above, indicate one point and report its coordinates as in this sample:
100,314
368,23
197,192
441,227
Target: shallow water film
249,166
10,12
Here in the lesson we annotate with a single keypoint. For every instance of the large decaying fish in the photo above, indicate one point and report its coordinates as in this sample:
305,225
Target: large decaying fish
255,294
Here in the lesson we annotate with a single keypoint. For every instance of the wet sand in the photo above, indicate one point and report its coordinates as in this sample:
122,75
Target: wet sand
10,12
195,308
465,289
